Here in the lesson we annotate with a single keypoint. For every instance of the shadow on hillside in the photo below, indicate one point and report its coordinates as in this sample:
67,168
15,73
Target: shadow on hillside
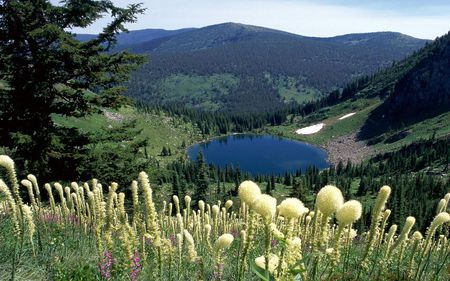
387,125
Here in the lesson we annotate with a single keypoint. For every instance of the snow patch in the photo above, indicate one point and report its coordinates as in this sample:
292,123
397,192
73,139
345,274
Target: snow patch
347,115
311,129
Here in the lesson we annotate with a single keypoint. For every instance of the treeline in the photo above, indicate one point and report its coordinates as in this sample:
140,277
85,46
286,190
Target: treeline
223,122
316,63
416,156
363,181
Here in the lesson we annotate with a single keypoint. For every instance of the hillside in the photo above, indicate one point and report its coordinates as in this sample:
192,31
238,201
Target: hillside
416,89
232,60
395,107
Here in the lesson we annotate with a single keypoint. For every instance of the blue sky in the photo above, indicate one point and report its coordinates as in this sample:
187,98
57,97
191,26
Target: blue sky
419,18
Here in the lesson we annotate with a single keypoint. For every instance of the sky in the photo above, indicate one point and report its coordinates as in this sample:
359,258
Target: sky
322,18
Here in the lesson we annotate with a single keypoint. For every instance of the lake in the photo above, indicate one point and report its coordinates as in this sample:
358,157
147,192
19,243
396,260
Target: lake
260,154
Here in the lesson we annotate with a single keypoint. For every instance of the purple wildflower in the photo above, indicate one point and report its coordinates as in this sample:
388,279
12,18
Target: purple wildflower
173,240
274,243
106,265
135,267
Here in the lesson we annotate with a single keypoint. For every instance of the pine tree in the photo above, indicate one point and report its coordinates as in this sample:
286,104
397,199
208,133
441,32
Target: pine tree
202,181
48,71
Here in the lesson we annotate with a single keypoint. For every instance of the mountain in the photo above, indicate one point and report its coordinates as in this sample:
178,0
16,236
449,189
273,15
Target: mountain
413,90
236,67
138,36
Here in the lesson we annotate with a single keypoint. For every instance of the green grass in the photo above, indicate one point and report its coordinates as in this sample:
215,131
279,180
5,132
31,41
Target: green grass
362,107
292,89
333,127
202,91
439,126
159,129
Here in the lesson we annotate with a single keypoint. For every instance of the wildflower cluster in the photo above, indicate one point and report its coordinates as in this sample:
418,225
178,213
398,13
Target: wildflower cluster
233,240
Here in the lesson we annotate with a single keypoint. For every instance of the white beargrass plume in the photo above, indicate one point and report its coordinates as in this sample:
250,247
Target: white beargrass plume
69,200
349,213
28,215
207,229
151,214
329,199
389,239
291,208
228,204
248,192
271,265
13,208
51,198
62,199
385,216
193,257
224,241
176,201
416,238
441,206
266,206
439,220
7,163
110,216
37,191
187,202
135,199
29,187
380,202
409,223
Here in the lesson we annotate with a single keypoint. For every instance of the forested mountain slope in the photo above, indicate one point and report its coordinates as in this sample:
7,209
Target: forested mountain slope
415,89
228,66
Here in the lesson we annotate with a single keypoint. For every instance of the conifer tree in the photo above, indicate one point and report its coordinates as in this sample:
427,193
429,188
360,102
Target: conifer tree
48,71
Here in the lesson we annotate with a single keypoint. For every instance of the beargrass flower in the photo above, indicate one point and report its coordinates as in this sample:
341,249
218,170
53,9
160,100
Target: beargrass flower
266,206
329,199
440,219
417,235
29,187
248,192
6,162
349,212
291,208
228,204
272,264
12,205
224,241
187,200
215,210
441,206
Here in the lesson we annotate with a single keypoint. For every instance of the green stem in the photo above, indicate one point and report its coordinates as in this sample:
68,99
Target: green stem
267,247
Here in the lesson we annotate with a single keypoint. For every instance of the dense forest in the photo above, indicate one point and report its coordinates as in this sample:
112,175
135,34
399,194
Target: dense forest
268,58
414,169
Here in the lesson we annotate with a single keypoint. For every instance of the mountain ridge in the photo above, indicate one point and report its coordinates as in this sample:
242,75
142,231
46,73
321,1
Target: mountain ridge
283,66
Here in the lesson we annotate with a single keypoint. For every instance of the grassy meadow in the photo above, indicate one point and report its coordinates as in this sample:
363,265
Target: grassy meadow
90,231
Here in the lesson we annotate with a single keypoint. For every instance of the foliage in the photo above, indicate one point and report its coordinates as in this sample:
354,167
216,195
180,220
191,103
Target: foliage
142,242
48,71
279,64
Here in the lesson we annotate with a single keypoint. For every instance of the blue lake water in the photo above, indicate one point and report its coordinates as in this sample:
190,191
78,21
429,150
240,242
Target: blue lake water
257,154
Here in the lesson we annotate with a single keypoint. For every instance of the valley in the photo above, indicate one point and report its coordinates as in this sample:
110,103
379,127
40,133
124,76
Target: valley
225,151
